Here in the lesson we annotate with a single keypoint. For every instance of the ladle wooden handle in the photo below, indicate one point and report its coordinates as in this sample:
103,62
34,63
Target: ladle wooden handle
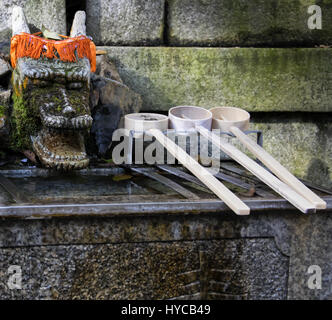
236,204
280,187
280,171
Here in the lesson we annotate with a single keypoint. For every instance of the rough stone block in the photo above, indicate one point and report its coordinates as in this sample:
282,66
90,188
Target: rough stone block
51,14
128,22
246,23
256,79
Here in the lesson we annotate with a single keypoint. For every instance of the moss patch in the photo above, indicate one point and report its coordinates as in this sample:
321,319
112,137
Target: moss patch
25,121
27,98
2,110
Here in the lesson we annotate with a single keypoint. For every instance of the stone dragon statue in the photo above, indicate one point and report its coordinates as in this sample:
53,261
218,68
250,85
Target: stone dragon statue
51,113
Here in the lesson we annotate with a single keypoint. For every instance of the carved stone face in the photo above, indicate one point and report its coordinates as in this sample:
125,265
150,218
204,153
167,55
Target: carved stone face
51,110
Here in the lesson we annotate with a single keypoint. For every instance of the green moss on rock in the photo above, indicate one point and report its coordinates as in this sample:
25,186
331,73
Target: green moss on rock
256,79
302,143
2,110
25,122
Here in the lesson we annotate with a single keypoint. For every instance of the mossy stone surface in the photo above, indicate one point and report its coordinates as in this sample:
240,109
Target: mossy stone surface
256,79
302,143
25,120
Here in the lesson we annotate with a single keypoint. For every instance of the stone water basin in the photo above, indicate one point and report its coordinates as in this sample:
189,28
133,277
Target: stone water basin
107,233
91,185
33,192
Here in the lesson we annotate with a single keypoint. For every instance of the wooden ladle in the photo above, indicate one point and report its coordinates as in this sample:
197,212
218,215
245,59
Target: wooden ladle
153,127
236,120
182,113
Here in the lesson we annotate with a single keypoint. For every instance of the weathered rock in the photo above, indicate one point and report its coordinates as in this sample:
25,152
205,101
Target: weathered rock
5,68
257,79
5,48
51,14
4,112
105,121
265,255
110,101
2,125
94,98
105,68
116,93
5,97
153,270
246,23
130,22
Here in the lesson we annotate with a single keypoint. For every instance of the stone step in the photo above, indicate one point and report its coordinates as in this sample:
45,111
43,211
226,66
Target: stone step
256,79
247,23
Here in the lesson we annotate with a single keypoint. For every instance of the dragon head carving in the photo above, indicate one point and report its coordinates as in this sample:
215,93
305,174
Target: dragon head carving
51,82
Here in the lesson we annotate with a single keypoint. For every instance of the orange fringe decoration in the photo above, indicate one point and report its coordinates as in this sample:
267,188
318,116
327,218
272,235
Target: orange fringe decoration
29,45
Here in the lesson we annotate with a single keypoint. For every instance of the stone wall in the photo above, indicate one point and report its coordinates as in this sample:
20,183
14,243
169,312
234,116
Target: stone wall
287,91
184,22
257,79
245,23
207,22
292,82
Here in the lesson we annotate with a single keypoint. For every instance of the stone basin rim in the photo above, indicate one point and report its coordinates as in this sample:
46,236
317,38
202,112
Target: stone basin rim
135,209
